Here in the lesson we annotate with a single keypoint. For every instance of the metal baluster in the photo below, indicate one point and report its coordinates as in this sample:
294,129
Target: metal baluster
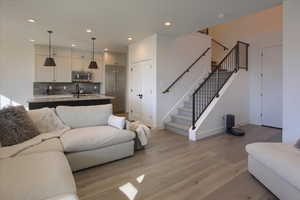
194,120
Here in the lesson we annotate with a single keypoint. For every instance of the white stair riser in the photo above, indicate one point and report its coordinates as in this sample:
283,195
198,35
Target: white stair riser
185,113
177,130
187,122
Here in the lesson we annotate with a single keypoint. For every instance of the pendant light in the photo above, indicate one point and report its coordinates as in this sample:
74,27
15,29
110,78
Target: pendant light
50,62
93,63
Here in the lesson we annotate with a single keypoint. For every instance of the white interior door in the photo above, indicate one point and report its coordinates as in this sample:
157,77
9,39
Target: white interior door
147,92
272,86
136,104
141,101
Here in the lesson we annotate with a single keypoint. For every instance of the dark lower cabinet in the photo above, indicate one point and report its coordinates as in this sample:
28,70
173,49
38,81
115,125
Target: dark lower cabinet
38,105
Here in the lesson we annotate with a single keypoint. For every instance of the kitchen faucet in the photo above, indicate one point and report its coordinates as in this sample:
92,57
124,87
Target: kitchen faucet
77,90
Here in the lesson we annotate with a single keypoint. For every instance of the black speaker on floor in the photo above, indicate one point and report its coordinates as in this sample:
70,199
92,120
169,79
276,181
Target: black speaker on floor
230,126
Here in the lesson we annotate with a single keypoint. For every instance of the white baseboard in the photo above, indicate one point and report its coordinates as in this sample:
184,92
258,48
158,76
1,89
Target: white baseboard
215,131
208,133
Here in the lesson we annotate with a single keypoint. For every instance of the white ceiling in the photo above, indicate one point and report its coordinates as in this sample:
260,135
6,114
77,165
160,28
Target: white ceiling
113,20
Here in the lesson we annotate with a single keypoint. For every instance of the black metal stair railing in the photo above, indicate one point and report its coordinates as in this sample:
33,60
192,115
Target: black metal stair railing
236,59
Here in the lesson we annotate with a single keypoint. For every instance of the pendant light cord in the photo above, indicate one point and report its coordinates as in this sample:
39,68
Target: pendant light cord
93,39
50,43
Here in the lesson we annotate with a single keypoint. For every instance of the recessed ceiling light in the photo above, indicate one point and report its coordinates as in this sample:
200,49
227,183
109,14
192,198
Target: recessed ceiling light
221,16
88,30
73,45
31,20
129,38
168,24
31,40
106,49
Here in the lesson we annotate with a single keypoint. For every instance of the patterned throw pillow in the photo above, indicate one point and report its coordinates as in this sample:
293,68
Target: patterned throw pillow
15,126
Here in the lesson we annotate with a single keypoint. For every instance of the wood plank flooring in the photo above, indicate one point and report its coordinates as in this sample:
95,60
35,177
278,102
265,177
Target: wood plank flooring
173,168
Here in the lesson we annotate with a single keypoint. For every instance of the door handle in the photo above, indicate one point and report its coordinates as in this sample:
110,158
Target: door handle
140,96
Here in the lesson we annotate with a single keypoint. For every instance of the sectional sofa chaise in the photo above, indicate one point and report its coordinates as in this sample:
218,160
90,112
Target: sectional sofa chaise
41,168
277,166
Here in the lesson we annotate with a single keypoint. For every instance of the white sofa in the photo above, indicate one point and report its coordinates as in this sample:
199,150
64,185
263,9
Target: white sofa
276,165
44,171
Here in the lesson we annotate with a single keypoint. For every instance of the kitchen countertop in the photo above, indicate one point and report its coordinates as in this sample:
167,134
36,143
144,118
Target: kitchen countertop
60,98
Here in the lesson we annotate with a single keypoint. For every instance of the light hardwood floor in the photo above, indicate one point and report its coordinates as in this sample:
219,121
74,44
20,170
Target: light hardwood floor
175,169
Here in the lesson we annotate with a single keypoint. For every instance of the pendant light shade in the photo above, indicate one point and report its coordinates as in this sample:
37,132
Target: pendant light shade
49,62
93,63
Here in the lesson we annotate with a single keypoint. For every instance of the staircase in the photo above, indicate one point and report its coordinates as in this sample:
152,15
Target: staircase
208,90
182,121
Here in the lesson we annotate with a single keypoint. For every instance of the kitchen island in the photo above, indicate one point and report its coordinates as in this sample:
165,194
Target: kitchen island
52,101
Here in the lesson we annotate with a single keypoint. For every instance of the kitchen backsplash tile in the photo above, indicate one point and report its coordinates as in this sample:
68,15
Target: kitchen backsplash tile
43,88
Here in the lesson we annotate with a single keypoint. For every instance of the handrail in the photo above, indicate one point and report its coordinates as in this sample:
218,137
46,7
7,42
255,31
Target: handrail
187,70
220,44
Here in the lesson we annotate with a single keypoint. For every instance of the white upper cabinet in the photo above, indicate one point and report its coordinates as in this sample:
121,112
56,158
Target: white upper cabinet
115,58
98,73
56,51
63,69
80,60
42,73
61,72
71,59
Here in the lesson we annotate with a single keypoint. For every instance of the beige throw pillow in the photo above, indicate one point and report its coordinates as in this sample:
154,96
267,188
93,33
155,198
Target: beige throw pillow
46,120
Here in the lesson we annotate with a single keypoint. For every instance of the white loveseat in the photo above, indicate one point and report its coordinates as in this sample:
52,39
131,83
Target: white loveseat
43,171
276,165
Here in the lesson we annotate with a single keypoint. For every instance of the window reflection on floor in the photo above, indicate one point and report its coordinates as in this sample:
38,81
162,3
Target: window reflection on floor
140,178
129,189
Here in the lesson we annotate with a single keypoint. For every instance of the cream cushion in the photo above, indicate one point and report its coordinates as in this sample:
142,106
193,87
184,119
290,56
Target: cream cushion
83,139
84,116
283,159
36,176
117,122
53,144
46,120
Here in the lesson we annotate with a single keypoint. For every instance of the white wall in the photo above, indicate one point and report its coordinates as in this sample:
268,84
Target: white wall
16,70
174,56
262,29
291,71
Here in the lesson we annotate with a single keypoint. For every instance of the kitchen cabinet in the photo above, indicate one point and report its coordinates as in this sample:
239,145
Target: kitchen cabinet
60,73
42,73
80,62
98,73
56,51
68,60
63,71
115,58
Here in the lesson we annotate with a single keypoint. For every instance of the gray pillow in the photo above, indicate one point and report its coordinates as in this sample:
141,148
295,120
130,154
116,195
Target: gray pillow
15,126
